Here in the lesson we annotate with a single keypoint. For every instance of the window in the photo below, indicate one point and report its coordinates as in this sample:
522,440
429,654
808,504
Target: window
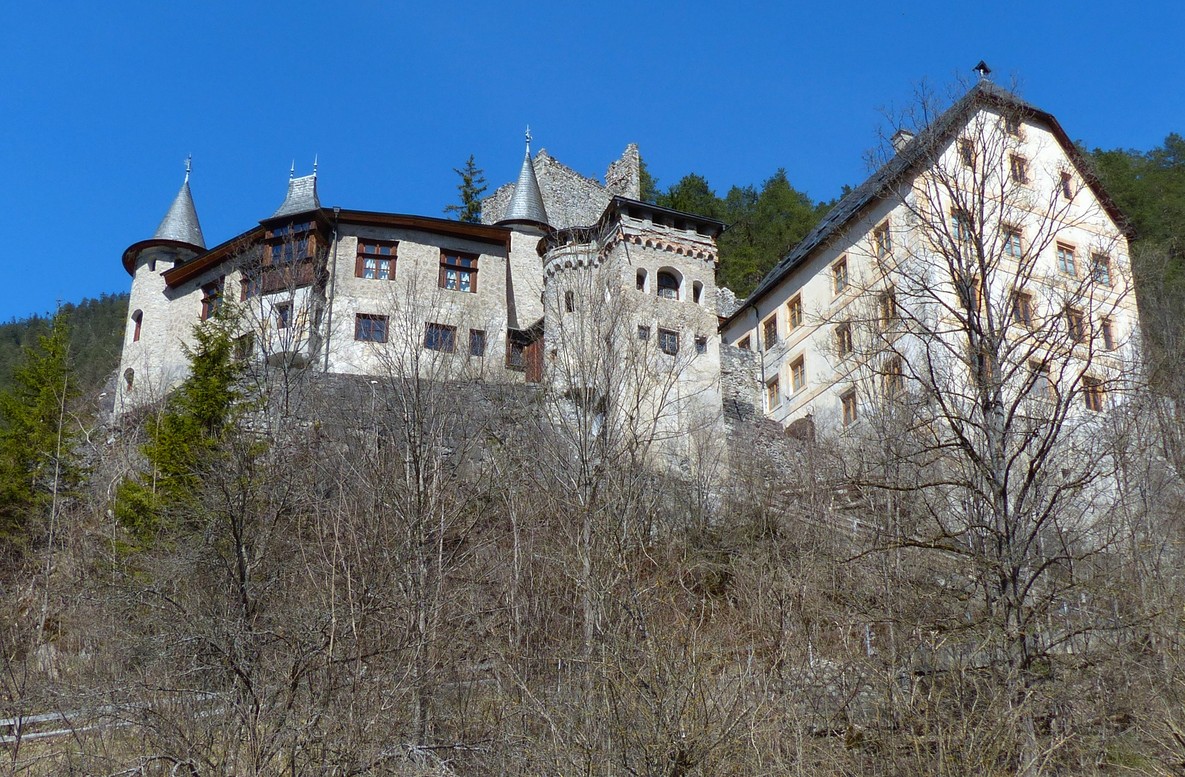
848,402
697,292
1092,393
798,375
643,332
244,346
882,241
1066,187
668,342
1040,386
137,319
969,294
1022,309
1075,325
641,280
1019,168
701,344
769,332
887,308
843,339
668,285
1100,269
440,337
283,315
517,344
569,301
375,260
773,394
1012,125
370,328
966,153
839,275
1012,245
458,272
1065,259
1108,334
794,313
961,227
894,378
211,299
745,343
477,342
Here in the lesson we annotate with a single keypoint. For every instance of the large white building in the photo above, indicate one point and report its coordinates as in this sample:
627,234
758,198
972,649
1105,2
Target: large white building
983,254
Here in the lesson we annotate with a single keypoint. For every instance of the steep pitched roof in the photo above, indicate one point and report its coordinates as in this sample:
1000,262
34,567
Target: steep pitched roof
181,222
917,151
302,196
527,202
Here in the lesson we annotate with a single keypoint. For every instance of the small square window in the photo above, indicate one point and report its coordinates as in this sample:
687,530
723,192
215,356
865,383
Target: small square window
701,345
1065,260
798,375
370,328
643,332
769,332
850,410
439,337
839,276
668,342
477,342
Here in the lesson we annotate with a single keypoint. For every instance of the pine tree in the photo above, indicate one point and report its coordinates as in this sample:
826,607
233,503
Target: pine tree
472,186
38,459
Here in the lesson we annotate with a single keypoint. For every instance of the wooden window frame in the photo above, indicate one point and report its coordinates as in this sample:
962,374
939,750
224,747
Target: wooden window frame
1065,183
1013,243
1076,325
882,241
745,343
211,299
769,331
373,251
1022,308
668,341
1107,331
839,276
894,376
843,339
794,313
441,338
849,407
1062,253
1094,396
887,311
364,328
477,342
665,290
773,393
798,375
1101,261
465,267
283,311
1018,169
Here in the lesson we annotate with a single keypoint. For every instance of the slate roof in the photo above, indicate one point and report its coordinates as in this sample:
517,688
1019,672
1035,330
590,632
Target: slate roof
301,198
527,202
181,222
916,152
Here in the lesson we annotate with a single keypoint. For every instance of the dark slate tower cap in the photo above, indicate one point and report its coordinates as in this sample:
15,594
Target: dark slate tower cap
526,205
179,228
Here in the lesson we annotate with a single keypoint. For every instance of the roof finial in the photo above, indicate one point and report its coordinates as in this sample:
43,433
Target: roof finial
983,70
314,164
188,166
292,170
528,140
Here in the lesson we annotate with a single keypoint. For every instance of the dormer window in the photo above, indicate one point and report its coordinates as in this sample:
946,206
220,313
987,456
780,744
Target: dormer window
668,285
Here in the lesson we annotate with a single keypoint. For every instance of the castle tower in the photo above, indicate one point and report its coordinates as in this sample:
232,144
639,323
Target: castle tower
527,218
150,362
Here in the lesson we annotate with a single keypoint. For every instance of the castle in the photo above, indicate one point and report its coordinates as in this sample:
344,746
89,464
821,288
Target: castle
987,223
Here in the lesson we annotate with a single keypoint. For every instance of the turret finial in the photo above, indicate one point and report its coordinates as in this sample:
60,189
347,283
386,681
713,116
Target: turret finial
528,140
188,167
983,70
292,170
314,164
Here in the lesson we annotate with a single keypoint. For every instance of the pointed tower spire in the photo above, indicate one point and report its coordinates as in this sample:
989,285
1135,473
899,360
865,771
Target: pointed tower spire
527,202
181,222
302,194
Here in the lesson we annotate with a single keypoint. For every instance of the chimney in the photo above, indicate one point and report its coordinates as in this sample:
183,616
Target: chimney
900,139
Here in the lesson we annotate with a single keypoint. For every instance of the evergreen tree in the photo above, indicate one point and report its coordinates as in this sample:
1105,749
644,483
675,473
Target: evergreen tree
38,461
647,184
186,437
472,186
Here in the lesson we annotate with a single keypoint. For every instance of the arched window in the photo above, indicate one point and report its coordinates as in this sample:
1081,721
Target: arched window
697,292
641,280
137,318
668,285
129,377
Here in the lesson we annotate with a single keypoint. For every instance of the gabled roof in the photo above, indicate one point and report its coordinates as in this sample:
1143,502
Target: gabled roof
916,152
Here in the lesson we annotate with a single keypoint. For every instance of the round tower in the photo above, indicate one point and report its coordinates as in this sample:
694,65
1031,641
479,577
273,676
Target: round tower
152,360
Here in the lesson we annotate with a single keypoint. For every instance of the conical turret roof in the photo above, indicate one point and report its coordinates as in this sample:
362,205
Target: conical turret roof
181,222
527,202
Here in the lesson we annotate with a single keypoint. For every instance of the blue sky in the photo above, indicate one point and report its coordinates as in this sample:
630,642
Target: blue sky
101,102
